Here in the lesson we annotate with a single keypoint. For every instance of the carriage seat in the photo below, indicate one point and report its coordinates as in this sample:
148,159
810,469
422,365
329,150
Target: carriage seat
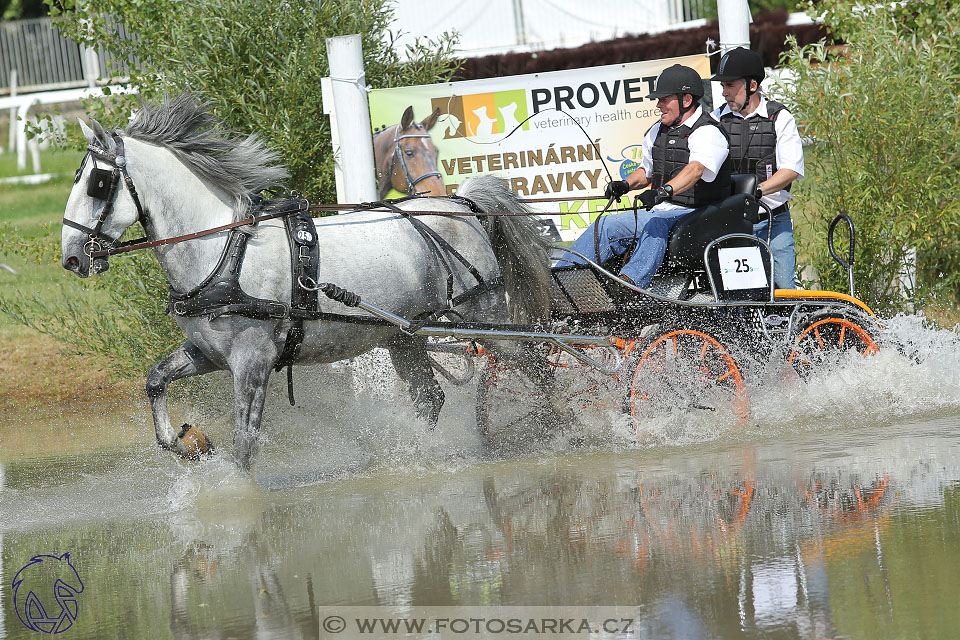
737,213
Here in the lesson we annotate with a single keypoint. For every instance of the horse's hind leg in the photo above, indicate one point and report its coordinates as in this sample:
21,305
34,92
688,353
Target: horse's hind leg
185,362
409,357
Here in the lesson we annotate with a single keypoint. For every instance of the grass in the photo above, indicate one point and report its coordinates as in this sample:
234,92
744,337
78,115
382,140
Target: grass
57,162
40,380
33,211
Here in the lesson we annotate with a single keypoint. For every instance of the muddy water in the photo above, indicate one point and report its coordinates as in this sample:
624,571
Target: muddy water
833,512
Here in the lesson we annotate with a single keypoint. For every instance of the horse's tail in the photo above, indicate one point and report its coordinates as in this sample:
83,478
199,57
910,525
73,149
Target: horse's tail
520,250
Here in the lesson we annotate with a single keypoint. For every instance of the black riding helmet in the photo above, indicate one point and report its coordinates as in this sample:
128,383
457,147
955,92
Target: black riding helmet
678,79
740,63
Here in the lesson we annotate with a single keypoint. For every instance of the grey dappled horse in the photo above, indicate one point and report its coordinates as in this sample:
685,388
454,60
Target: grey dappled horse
191,174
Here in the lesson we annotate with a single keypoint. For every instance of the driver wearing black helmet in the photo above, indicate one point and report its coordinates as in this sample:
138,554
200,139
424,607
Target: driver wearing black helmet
764,141
686,166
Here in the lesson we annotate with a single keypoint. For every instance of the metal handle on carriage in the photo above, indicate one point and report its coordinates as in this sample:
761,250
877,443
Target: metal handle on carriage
562,340
848,265
585,359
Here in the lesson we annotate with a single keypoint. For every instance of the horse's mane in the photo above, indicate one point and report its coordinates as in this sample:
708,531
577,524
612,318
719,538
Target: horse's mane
226,159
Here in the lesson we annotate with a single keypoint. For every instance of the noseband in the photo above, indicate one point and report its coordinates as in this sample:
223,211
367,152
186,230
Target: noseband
103,186
398,153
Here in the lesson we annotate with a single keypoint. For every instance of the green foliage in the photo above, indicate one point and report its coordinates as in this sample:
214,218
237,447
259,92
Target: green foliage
883,112
21,9
260,66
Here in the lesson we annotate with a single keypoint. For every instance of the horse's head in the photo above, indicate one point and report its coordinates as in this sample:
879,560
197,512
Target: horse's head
101,205
406,157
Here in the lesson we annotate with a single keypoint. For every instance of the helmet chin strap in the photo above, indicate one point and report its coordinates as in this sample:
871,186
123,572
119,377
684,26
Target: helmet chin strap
750,93
682,111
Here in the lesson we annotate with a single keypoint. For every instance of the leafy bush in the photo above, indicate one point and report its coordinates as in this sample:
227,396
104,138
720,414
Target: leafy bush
260,65
883,112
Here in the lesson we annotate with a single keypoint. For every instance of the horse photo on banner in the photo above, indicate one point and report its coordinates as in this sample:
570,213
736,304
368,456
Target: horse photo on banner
430,138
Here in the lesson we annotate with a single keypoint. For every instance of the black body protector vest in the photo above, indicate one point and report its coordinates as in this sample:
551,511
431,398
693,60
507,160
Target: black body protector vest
671,153
753,142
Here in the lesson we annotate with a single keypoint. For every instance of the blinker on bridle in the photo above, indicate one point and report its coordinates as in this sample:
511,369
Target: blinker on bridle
102,185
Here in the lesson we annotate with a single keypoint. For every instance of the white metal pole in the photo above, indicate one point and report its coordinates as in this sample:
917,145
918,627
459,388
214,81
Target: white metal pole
326,92
348,82
735,19
13,111
91,66
21,124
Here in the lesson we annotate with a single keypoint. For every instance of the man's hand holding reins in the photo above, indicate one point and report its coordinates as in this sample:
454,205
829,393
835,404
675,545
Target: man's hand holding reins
616,189
652,197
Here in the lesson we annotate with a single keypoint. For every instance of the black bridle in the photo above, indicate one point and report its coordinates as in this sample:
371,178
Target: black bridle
398,153
102,185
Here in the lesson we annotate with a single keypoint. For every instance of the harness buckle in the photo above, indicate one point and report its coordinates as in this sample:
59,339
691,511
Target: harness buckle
180,308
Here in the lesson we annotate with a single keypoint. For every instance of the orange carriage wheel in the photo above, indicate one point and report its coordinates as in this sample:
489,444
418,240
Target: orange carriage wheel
509,403
825,338
512,407
580,386
686,370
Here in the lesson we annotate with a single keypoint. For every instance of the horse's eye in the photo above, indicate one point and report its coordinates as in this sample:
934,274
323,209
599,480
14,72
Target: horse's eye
409,152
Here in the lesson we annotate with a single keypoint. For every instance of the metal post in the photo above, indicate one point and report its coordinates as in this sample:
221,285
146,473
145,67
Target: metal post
13,111
735,19
21,124
735,22
348,82
518,23
91,66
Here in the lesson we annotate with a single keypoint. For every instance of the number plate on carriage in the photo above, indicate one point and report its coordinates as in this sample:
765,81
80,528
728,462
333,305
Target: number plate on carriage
742,268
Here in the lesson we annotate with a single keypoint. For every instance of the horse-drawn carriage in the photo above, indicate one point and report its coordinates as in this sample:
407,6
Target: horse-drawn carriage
465,274
685,344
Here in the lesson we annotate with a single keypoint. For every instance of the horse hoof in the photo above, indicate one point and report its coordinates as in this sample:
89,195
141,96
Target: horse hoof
195,444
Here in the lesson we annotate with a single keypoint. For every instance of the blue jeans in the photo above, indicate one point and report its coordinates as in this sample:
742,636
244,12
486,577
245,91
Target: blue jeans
617,234
782,247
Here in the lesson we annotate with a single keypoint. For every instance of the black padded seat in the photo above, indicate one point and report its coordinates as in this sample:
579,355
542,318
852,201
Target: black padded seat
690,236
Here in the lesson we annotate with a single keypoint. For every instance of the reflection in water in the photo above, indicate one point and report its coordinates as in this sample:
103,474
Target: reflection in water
843,534
820,518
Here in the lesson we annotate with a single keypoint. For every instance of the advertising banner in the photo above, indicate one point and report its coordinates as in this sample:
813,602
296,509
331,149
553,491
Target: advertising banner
582,123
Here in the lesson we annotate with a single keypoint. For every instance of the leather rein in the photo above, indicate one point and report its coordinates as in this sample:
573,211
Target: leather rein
103,185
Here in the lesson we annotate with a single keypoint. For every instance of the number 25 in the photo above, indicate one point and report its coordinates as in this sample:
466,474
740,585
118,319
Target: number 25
742,266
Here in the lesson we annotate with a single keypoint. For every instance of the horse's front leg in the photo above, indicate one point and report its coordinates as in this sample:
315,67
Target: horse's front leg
185,362
409,357
250,377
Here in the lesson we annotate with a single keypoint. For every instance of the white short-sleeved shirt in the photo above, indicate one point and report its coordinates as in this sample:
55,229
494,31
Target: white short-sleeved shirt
707,145
789,146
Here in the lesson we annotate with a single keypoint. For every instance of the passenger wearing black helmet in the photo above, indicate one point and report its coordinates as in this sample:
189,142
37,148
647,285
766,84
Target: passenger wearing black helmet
763,140
684,163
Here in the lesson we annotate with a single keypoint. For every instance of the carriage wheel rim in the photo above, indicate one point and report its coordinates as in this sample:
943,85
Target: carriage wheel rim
858,331
581,397
732,372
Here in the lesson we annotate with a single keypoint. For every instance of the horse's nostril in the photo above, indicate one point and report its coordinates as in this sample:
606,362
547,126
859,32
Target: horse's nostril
72,262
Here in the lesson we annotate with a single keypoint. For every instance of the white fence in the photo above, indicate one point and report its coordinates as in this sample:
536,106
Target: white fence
35,56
